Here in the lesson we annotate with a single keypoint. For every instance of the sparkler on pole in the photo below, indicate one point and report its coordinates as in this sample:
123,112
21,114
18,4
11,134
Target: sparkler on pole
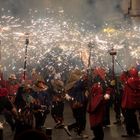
120,65
0,50
90,46
0,62
1,68
89,70
113,53
26,52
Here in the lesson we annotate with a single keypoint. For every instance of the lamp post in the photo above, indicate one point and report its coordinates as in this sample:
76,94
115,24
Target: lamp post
26,53
113,53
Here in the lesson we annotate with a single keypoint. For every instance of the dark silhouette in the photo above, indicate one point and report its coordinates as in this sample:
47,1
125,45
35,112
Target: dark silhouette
31,135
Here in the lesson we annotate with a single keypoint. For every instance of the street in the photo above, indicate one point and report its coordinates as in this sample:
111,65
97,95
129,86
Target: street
113,132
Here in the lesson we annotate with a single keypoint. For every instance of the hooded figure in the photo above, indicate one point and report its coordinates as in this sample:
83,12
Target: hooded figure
96,110
131,102
131,96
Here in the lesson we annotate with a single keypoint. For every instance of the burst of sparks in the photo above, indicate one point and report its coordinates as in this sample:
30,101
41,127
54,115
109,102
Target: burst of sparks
47,34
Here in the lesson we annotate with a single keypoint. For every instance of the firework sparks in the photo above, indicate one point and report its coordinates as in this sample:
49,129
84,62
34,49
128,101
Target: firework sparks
47,34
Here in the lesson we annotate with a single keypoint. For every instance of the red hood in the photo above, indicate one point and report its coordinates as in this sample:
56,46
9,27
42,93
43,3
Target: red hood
134,83
133,72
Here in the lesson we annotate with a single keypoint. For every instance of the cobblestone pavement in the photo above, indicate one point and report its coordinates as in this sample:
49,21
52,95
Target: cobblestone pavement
112,132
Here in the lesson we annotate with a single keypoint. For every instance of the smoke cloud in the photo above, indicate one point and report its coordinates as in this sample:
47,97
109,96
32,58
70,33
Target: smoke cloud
54,21
94,12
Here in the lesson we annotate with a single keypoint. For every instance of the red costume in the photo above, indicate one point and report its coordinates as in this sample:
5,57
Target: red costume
96,106
96,110
131,96
131,101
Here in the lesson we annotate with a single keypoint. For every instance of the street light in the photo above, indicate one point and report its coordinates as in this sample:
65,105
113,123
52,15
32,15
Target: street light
26,52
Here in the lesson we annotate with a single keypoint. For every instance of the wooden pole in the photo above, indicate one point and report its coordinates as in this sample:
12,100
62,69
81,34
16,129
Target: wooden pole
113,53
25,59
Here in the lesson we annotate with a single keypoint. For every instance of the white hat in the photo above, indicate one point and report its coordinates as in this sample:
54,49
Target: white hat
12,76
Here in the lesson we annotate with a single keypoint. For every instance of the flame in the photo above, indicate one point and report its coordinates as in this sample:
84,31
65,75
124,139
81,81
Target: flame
109,30
85,57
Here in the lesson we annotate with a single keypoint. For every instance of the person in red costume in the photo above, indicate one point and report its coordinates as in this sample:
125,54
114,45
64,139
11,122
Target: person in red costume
96,110
7,108
131,101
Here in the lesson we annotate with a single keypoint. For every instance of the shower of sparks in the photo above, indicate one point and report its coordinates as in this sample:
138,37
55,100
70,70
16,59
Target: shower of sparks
63,43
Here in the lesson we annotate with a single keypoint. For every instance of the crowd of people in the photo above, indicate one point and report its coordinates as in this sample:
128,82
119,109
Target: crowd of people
26,102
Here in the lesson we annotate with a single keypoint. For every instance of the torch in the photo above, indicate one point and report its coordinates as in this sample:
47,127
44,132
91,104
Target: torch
113,53
25,59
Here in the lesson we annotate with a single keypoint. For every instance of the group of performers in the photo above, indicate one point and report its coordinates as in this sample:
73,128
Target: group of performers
31,100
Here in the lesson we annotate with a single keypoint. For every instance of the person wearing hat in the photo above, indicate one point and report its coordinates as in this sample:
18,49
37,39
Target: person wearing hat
76,95
12,77
24,104
42,103
57,107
